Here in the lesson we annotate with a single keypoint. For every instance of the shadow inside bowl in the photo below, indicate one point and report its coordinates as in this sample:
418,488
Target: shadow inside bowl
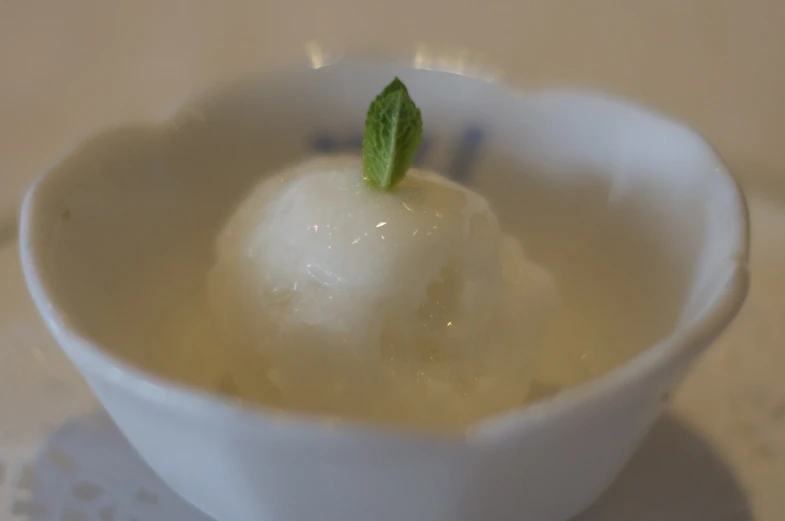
87,471
147,204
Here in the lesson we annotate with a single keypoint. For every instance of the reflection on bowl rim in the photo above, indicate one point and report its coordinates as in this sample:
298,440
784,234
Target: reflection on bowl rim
658,357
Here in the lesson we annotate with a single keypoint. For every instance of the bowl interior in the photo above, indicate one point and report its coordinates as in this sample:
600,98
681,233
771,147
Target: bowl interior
625,208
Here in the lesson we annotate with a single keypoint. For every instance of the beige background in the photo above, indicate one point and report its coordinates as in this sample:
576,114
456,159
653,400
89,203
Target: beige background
68,66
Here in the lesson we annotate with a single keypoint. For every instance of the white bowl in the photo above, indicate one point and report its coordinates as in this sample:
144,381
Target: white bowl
136,209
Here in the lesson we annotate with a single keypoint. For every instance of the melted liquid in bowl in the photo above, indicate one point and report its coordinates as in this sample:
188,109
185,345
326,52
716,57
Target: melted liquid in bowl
141,292
617,297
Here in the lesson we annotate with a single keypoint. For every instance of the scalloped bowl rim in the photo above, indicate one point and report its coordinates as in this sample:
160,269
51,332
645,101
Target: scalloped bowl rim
657,357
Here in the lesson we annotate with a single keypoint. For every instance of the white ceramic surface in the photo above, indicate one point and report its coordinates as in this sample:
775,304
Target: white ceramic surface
116,205
717,453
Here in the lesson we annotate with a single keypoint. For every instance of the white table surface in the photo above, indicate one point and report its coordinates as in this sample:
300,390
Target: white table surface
69,68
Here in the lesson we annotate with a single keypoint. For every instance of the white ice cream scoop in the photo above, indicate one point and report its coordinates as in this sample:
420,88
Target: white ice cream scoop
405,305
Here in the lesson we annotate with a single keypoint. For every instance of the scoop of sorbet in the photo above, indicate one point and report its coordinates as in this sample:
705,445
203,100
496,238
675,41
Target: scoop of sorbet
407,305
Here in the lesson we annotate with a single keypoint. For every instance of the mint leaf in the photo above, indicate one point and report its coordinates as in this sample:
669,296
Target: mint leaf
393,131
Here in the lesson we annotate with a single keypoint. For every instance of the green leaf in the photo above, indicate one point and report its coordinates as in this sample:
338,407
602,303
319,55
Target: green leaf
393,131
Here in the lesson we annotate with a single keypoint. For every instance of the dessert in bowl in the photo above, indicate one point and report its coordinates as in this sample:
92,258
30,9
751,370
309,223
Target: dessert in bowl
483,326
